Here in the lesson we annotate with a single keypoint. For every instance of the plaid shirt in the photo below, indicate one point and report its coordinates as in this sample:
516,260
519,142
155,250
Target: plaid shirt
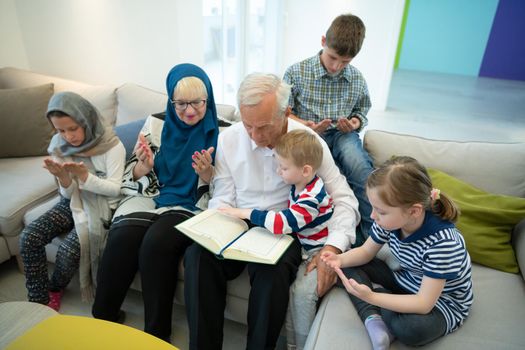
317,95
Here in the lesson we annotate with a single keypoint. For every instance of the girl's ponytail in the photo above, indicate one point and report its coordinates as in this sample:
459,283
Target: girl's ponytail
443,206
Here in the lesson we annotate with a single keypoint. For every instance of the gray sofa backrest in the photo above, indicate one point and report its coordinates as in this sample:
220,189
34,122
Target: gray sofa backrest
493,167
118,105
102,96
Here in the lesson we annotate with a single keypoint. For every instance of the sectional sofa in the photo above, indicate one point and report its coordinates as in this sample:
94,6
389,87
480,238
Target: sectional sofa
28,190
499,307
496,317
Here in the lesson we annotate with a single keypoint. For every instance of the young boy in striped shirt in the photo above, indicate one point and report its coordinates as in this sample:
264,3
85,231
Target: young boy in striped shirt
300,154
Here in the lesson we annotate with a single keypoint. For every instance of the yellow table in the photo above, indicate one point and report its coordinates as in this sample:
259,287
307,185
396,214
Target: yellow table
76,332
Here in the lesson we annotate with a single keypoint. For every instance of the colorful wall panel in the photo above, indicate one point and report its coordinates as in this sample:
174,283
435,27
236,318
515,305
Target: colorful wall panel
483,37
505,53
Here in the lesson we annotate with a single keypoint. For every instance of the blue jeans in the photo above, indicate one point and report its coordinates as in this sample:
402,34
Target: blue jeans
355,164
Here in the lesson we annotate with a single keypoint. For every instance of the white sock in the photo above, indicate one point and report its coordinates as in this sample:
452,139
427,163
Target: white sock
378,332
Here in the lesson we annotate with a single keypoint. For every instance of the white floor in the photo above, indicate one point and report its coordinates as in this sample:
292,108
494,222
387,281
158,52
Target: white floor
429,105
12,288
453,107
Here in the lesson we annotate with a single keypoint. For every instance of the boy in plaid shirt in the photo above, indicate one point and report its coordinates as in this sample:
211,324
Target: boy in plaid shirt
331,97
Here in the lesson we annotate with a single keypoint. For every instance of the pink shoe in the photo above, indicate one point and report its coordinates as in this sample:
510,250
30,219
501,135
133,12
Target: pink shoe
55,298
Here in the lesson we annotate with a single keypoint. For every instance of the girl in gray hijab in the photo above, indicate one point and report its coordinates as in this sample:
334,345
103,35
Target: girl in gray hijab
87,160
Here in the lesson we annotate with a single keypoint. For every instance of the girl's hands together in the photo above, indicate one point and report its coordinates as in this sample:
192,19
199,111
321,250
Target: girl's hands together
331,259
58,170
362,291
77,169
55,168
202,164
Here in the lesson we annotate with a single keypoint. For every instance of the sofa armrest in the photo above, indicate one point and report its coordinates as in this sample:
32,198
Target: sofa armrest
518,241
337,325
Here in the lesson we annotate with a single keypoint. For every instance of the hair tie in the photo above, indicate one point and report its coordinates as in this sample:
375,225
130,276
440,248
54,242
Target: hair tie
434,194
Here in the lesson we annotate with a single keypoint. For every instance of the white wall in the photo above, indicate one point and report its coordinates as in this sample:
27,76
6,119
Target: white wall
12,51
382,18
117,41
110,42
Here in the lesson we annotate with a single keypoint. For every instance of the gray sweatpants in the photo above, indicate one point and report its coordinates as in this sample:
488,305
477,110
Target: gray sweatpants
303,303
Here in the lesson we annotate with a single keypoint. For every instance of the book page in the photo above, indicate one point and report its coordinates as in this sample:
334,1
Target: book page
217,226
258,241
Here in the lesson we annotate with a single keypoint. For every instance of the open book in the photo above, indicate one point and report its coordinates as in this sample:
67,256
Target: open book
230,238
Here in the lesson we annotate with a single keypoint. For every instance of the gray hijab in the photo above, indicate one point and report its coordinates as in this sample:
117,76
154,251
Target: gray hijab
99,139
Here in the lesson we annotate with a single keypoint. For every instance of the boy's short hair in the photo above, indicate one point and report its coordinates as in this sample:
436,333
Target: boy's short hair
301,147
345,35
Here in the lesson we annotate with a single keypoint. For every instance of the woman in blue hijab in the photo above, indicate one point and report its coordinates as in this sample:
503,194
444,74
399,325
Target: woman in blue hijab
163,178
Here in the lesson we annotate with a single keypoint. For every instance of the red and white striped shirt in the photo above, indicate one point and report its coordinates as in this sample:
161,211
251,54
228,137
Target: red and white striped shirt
307,215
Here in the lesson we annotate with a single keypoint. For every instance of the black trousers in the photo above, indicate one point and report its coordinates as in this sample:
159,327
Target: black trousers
150,244
205,279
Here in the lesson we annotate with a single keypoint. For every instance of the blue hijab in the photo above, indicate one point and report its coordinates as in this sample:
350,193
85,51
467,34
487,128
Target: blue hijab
178,180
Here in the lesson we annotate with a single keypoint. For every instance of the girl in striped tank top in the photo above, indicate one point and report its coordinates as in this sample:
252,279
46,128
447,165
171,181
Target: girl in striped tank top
431,294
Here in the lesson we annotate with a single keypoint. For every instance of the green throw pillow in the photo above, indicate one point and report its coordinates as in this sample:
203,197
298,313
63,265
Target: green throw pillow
486,221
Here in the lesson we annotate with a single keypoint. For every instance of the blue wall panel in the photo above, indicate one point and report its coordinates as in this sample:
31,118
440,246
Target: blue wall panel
447,36
505,54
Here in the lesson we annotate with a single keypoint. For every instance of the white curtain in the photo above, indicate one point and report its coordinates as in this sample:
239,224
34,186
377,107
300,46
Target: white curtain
240,37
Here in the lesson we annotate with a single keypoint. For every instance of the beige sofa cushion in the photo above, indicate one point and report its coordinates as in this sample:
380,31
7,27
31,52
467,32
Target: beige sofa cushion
4,250
494,167
20,316
25,130
228,112
495,317
101,96
137,102
23,184
498,310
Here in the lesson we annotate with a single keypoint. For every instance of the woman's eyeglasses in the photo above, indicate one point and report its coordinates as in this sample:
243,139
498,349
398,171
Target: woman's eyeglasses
182,105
